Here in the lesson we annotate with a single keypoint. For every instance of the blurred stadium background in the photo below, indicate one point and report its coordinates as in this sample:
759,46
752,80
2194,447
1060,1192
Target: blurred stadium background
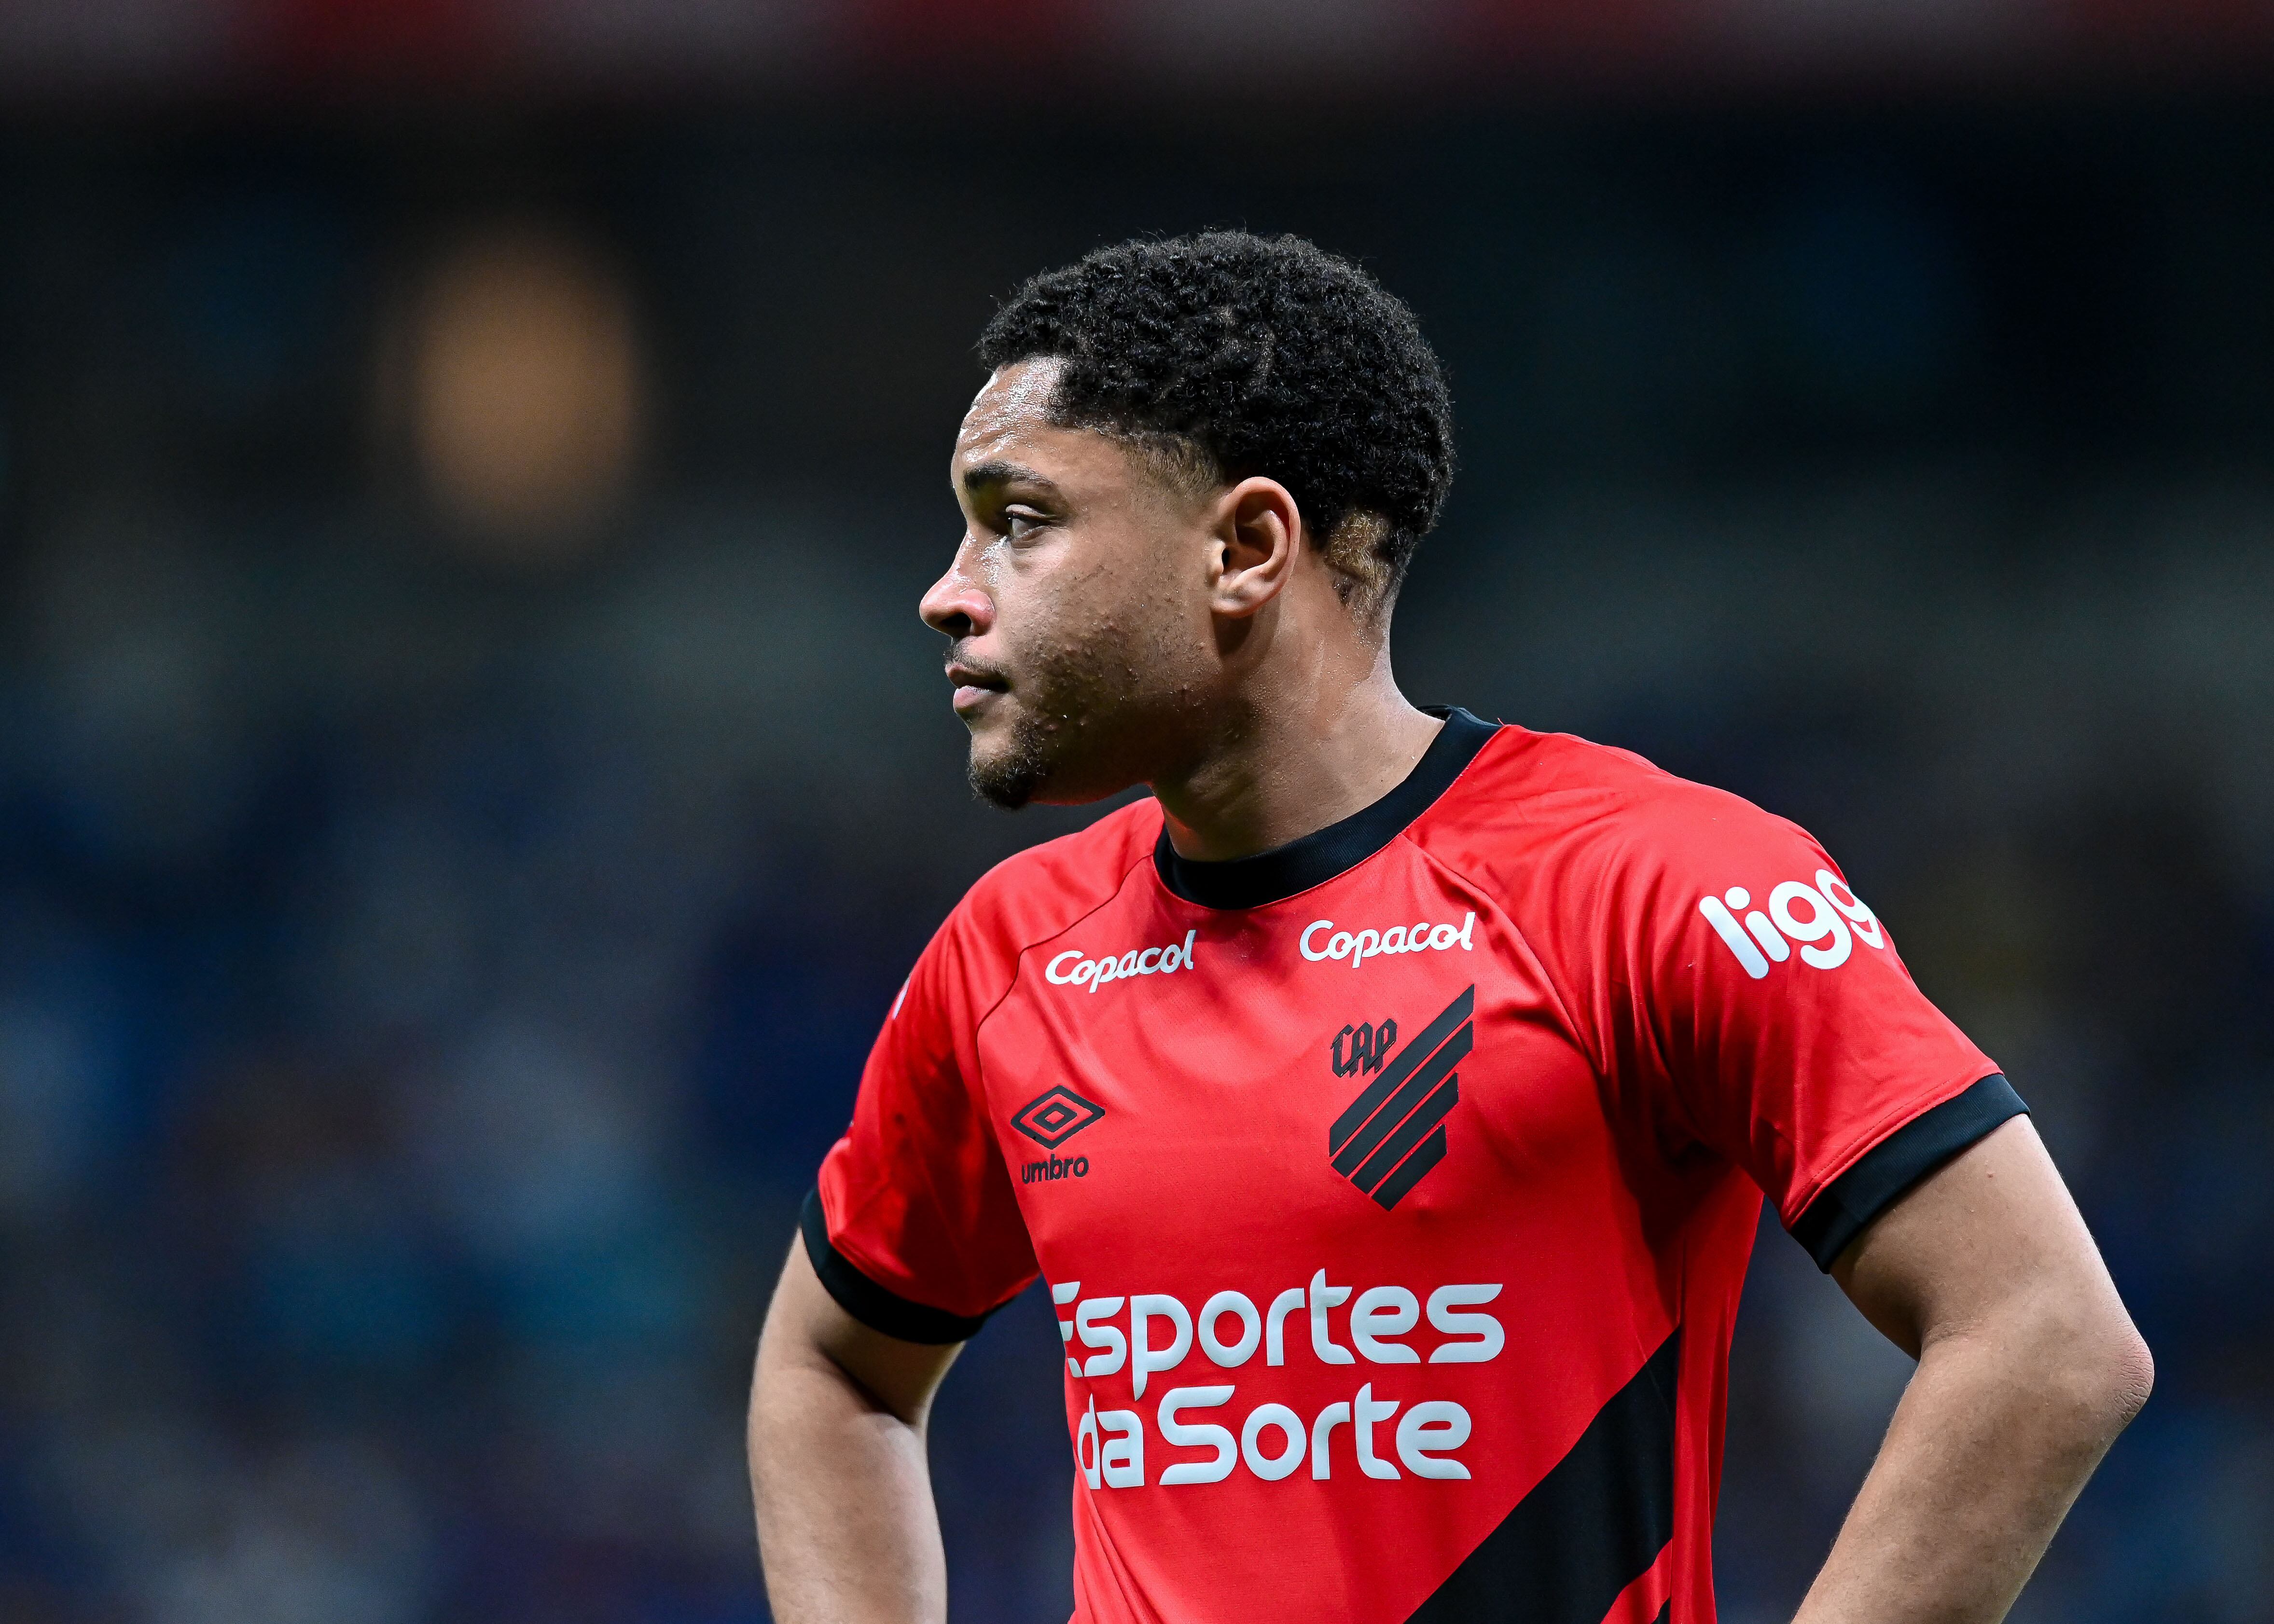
471,776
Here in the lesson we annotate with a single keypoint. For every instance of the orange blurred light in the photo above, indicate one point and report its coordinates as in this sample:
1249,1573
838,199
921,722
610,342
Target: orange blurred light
525,392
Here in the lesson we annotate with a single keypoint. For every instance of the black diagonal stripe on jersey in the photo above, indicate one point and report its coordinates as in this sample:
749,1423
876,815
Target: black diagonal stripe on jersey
1400,1067
1415,1089
1430,1153
1589,1529
1426,1115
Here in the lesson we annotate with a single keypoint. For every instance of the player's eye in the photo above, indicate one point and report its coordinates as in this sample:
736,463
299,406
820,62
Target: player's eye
1019,523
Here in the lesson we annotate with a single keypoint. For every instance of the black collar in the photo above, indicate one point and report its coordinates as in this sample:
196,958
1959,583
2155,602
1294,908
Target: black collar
1321,855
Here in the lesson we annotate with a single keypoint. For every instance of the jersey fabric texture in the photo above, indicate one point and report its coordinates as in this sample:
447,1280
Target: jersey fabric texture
1396,1187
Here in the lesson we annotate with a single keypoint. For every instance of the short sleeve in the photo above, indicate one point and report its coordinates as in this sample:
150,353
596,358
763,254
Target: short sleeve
1768,1002
914,1227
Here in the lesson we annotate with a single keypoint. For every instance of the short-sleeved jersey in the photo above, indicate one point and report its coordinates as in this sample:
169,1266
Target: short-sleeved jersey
1396,1187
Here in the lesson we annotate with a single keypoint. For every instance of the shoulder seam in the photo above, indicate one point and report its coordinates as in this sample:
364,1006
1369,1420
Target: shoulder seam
1554,988
1029,944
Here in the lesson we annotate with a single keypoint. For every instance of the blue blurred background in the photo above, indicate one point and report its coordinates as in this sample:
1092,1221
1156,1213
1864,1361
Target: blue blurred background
471,776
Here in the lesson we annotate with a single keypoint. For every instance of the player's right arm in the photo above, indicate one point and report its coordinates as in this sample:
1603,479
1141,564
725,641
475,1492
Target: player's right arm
912,1237
847,1526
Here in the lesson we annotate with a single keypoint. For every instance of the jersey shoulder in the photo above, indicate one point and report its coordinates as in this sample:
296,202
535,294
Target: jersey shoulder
1561,811
1031,896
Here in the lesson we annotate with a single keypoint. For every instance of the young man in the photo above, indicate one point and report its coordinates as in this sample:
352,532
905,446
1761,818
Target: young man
1389,1099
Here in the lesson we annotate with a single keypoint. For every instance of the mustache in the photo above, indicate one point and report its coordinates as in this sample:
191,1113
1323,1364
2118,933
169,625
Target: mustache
985,670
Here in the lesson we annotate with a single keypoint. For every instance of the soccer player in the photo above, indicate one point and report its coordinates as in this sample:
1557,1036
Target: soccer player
1388,1099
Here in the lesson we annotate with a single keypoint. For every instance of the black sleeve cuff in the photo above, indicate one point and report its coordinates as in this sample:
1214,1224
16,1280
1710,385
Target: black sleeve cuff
867,1301
1845,1208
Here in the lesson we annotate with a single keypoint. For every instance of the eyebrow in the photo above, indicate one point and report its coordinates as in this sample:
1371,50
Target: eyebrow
979,476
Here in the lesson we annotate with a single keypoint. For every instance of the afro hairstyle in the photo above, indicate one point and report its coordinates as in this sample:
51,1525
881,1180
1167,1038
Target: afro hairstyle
1234,355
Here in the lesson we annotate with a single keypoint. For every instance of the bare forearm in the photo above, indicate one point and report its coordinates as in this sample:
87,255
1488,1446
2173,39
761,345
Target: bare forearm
1994,1438
847,1526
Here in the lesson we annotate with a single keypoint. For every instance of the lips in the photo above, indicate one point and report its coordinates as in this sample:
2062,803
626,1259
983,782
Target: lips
973,676
973,685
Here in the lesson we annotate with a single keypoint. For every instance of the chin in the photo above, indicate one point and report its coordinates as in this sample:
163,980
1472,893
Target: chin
1003,774
1003,793
1018,771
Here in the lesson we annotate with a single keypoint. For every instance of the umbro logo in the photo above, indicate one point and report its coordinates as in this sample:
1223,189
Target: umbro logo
1394,1132
1054,1116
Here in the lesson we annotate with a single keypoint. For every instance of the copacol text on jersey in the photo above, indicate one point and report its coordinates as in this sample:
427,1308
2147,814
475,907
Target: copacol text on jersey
1071,969
1358,946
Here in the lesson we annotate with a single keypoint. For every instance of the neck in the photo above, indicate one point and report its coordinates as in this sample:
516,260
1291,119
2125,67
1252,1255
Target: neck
1294,756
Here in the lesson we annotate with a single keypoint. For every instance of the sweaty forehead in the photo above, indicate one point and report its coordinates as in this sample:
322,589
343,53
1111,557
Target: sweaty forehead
1011,407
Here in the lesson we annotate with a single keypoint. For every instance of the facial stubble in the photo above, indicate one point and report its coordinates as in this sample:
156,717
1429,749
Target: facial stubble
1051,700
1088,720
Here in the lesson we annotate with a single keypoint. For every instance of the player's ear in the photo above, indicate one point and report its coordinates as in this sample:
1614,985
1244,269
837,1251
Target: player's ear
1257,530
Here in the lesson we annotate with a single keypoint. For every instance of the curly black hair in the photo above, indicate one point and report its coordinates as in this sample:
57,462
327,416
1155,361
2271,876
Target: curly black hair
1240,354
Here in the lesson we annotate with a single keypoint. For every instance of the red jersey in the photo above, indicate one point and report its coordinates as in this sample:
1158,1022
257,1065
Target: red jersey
1396,1187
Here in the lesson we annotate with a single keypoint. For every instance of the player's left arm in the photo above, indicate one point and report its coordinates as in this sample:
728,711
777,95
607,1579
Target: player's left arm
1750,1000
2028,1369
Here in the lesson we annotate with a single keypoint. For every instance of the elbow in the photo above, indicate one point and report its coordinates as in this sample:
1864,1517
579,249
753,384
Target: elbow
2130,1379
2101,1377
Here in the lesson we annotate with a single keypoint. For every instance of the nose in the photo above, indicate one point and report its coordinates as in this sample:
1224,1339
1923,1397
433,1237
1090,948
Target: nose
956,605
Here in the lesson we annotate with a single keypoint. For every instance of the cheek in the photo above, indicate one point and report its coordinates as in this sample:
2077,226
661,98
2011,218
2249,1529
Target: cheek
1116,616
1145,632
1086,606
1174,621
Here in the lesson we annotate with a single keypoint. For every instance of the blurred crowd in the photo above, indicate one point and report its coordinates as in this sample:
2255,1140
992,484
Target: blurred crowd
471,778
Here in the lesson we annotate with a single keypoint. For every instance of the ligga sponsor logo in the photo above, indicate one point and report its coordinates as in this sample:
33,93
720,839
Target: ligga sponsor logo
1825,921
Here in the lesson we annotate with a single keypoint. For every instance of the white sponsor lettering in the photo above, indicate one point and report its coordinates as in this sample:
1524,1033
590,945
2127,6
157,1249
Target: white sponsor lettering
1206,1435
1071,969
1271,1467
1062,1294
1322,1432
1380,1434
1380,1314
1275,1324
1830,921
1108,1445
1097,1336
1490,1339
1116,1461
1324,1296
1429,1429
1358,946
1147,1356
1233,1355
1365,1410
